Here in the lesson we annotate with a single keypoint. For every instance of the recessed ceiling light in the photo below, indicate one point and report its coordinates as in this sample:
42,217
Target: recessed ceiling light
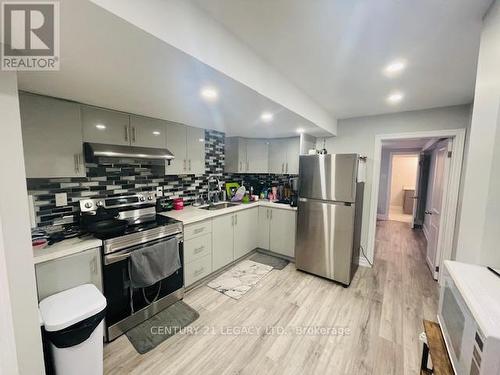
209,93
395,97
267,117
395,68
300,130
156,132
100,126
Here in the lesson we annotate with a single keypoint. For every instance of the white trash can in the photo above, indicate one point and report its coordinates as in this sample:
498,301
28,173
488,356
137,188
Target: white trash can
73,323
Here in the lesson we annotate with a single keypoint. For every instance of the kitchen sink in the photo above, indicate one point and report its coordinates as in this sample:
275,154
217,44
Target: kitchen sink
219,206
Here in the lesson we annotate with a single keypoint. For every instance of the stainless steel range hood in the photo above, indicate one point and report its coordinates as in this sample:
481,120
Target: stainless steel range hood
94,151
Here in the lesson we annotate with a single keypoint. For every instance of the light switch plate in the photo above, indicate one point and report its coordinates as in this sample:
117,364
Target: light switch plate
159,191
61,199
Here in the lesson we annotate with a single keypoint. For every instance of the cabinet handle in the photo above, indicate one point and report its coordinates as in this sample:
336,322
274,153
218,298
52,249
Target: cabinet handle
189,164
267,213
235,219
282,167
133,134
241,166
126,132
286,170
270,214
199,249
75,160
232,220
198,230
247,166
184,164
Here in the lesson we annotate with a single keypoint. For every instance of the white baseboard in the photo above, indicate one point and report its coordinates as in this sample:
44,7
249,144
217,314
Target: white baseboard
363,262
426,233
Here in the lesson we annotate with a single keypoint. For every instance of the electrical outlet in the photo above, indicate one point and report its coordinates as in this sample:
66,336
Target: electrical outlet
159,191
61,199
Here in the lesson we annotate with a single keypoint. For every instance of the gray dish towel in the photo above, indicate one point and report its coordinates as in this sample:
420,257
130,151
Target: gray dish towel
151,264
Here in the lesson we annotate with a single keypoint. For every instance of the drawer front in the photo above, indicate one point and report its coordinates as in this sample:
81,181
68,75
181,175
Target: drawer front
198,247
197,269
198,229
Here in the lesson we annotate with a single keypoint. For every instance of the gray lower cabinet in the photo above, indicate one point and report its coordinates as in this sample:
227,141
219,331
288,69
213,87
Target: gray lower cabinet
222,240
277,230
52,137
67,272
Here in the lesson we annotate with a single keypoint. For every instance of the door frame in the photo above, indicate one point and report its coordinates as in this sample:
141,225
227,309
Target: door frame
450,201
389,178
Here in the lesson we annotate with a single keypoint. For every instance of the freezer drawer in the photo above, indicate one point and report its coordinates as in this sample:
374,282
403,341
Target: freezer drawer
324,241
329,177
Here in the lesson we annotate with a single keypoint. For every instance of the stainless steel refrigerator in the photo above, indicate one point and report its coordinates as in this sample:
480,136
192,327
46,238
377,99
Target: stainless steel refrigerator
329,216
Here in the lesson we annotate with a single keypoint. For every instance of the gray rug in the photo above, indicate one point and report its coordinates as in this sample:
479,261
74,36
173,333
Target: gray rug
149,334
275,262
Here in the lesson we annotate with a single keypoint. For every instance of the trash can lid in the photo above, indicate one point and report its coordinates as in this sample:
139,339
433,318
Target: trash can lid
71,306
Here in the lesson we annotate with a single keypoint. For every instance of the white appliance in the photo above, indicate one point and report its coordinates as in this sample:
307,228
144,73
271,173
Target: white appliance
469,316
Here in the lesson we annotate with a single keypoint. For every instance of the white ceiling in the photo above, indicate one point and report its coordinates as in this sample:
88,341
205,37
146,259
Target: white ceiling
108,62
335,50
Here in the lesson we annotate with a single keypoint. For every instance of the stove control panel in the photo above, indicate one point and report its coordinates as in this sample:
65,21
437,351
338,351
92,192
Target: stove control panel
143,198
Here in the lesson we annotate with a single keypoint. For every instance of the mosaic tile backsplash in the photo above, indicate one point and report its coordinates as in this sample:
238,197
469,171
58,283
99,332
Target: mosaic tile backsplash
118,177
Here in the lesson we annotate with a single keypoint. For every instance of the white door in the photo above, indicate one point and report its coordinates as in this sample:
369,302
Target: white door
176,144
292,156
195,150
222,241
105,126
264,225
282,235
245,231
52,137
433,212
277,156
147,132
257,155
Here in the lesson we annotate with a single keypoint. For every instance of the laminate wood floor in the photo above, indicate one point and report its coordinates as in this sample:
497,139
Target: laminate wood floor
381,313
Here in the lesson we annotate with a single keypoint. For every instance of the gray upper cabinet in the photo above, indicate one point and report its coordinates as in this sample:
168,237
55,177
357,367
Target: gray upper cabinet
105,126
147,132
188,146
246,155
52,137
284,155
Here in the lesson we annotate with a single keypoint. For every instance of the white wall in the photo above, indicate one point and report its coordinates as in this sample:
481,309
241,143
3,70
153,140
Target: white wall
479,235
404,174
191,30
15,240
385,162
358,135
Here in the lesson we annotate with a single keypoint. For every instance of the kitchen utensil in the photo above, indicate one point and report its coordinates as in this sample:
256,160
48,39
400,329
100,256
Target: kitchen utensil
240,193
231,188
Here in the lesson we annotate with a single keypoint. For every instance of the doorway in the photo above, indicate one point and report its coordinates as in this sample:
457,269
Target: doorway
433,187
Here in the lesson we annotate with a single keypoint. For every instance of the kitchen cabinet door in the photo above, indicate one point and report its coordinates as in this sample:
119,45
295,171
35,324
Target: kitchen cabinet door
231,151
292,156
196,150
277,156
245,231
257,155
222,241
282,235
176,144
52,137
105,126
67,272
242,156
263,228
147,132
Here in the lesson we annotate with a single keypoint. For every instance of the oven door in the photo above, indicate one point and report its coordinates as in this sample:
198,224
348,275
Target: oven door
458,326
128,307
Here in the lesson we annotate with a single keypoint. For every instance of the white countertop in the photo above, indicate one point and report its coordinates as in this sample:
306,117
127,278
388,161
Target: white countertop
480,289
65,248
190,214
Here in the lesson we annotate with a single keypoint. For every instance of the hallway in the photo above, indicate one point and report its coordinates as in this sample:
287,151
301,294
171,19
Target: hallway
383,310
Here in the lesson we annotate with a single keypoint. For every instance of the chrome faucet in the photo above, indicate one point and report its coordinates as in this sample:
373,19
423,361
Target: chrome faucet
213,192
